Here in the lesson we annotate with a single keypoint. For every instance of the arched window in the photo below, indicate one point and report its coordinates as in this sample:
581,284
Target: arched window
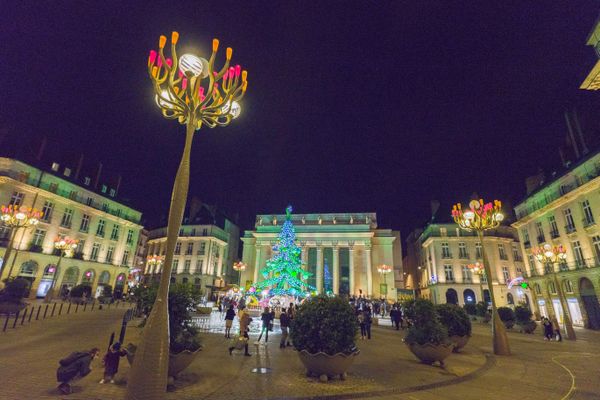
510,299
88,276
71,275
469,296
28,268
104,278
451,296
49,271
551,287
120,280
568,285
538,289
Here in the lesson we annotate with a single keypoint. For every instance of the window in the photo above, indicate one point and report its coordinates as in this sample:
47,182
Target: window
587,213
114,235
181,232
520,271
478,250
525,234
540,232
85,223
87,181
553,227
125,258
112,192
568,286
53,187
515,252
16,199
100,228
202,249
178,248
449,274
466,274
130,236
109,254
104,188
47,210
570,224
531,259
186,266
538,289
462,250
175,265
190,248
596,241
95,251
193,232
501,252
578,253
204,232
443,232
66,218
80,246
73,195
38,237
55,167
105,207
89,201
551,287
506,274
445,250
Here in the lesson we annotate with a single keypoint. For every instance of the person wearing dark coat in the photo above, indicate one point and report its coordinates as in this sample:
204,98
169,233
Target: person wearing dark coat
229,316
111,362
74,367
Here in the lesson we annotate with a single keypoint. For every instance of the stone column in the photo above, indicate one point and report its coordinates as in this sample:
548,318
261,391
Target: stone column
220,264
319,269
369,270
304,255
256,265
351,288
336,270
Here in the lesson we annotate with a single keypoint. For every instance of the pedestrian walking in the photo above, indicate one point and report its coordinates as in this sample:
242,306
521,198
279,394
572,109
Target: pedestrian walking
548,331
284,323
291,312
242,340
229,316
266,318
361,322
395,317
111,362
73,368
556,328
368,322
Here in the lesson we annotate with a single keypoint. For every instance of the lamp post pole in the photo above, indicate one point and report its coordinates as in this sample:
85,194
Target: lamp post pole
552,255
480,217
65,246
479,270
189,89
16,217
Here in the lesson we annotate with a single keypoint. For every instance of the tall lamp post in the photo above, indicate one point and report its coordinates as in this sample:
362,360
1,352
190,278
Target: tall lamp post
65,247
16,217
239,266
383,271
478,269
480,217
548,254
191,90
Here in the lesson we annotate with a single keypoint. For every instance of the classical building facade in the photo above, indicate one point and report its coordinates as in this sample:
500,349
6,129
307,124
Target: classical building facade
563,211
592,81
204,252
442,255
107,230
347,247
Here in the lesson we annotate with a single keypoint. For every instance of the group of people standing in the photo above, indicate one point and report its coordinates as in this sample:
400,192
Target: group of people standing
551,329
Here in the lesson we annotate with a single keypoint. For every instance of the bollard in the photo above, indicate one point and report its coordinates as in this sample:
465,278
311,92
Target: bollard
30,315
45,311
16,318
37,315
24,315
84,306
60,308
53,308
6,322
111,340
69,308
76,308
123,327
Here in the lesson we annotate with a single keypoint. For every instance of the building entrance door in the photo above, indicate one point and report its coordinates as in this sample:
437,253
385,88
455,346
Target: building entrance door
590,302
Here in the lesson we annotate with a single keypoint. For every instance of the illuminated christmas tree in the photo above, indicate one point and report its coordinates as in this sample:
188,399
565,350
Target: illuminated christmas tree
327,278
283,273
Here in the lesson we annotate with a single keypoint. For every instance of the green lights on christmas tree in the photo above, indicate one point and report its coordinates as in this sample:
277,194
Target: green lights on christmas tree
283,273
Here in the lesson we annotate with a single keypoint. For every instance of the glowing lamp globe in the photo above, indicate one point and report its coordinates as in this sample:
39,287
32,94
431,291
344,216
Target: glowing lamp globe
499,217
20,216
469,215
189,64
236,109
474,204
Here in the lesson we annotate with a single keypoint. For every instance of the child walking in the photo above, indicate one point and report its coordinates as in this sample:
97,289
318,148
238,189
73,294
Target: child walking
111,362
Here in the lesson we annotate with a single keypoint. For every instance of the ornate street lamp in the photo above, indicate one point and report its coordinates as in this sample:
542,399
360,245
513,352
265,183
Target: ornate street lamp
153,264
239,266
383,271
16,217
548,254
192,91
478,269
480,217
66,248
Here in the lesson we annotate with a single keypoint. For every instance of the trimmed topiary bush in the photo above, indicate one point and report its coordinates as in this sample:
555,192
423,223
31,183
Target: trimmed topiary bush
507,315
470,309
523,318
455,319
79,290
14,291
325,324
426,327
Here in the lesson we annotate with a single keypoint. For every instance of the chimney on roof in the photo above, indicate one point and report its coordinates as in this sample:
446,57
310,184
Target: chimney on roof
79,165
572,135
584,148
118,184
42,148
98,176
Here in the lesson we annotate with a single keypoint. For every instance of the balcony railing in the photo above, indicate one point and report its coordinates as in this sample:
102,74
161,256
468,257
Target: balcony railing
446,255
541,239
568,266
463,255
554,234
527,244
570,228
587,222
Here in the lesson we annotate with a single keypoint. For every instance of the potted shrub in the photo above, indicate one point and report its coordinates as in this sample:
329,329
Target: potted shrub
471,310
427,338
456,320
184,343
11,297
507,315
483,315
323,332
523,319
79,292
106,297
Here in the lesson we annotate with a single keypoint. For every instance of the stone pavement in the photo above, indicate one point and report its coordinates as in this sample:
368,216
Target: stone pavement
384,369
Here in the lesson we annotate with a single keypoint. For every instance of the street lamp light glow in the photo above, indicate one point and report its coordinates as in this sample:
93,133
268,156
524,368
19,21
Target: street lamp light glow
189,64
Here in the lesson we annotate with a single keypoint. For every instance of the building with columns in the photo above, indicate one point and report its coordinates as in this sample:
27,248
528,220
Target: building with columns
107,229
562,210
205,251
444,253
349,246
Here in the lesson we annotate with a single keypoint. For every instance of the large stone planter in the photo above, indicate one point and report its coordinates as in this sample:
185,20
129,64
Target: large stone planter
11,308
429,353
459,342
177,362
325,366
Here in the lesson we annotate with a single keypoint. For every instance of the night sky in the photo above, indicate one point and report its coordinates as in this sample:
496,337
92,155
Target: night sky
351,106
